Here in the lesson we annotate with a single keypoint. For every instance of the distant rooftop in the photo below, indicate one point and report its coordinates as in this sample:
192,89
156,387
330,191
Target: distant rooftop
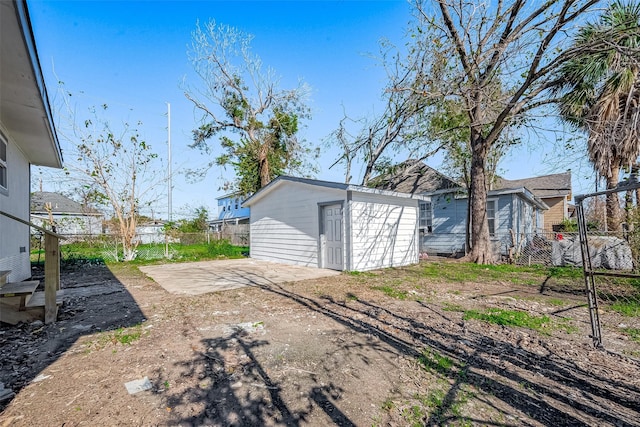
59,204
413,177
553,185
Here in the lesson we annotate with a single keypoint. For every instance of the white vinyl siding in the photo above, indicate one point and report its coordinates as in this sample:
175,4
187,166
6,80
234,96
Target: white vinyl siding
383,231
379,231
285,225
14,250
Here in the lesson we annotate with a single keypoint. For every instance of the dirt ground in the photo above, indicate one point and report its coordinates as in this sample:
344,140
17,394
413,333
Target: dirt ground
330,351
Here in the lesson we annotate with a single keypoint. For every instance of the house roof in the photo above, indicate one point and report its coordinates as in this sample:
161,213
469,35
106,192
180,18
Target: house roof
414,177
235,194
326,184
25,111
520,191
546,186
59,204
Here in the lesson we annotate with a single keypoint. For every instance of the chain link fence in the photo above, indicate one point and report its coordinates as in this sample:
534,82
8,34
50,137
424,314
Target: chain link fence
614,257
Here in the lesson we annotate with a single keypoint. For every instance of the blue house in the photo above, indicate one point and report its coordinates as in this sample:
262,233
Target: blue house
515,215
230,211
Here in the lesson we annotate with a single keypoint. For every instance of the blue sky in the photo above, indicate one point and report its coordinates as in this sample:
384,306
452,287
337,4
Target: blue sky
133,56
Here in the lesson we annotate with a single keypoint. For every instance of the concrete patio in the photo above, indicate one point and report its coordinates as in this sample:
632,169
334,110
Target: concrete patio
196,278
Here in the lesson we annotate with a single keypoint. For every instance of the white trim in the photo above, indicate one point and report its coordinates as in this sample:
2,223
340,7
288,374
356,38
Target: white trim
4,170
327,184
420,227
496,217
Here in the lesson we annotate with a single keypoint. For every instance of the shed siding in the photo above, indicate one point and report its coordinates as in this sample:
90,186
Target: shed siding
383,231
285,225
14,236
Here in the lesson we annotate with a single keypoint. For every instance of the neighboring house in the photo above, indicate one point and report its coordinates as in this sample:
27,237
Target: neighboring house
554,190
27,134
230,211
414,177
514,214
333,225
69,217
152,231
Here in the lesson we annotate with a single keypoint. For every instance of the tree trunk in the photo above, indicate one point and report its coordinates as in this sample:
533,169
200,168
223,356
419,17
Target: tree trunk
481,250
263,164
613,201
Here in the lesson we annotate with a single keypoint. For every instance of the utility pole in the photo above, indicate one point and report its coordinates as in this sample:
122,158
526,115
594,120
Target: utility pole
169,183
169,159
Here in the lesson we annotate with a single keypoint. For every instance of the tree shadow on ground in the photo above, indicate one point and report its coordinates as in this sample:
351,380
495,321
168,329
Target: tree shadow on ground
549,386
236,389
27,349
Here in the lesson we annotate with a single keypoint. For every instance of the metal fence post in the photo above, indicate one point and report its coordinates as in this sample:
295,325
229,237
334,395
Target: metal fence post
589,279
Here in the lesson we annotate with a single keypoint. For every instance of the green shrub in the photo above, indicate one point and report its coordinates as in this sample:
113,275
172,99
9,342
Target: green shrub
224,248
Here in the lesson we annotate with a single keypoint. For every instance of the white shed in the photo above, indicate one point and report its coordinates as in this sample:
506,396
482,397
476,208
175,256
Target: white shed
333,225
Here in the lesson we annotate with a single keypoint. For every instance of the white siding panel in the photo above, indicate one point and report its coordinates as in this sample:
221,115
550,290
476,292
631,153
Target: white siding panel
285,225
14,237
383,231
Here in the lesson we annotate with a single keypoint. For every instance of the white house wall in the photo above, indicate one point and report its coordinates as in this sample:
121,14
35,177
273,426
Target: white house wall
285,225
383,231
14,236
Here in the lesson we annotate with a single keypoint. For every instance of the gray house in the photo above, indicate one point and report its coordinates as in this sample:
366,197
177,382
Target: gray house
69,217
514,214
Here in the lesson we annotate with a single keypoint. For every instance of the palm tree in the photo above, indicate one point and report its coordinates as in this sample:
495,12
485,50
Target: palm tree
600,90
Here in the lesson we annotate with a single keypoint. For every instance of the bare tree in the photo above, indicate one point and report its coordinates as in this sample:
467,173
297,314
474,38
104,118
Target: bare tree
241,104
402,127
112,166
516,47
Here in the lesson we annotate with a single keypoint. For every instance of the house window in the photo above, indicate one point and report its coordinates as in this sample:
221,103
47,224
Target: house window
3,163
426,218
236,203
492,216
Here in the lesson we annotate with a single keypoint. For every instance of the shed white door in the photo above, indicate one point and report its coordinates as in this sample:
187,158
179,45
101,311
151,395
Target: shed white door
333,241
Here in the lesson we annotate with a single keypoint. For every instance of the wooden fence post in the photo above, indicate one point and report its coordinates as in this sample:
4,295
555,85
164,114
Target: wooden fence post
51,277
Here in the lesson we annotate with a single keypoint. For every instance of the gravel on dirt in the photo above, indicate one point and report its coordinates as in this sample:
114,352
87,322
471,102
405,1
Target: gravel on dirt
328,351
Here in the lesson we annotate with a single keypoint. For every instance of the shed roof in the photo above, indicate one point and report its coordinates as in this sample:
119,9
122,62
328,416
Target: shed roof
546,186
414,177
59,204
326,184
